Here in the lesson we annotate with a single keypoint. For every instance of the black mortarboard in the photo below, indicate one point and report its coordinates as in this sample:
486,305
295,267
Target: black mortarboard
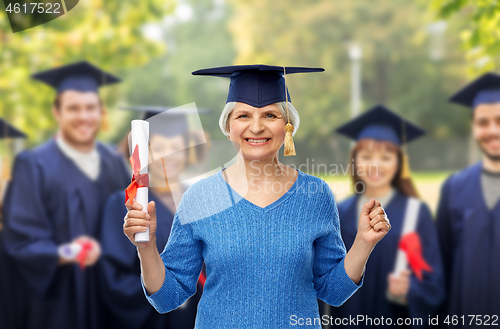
171,122
485,89
165,121
256,85
8,131
81,76
380,123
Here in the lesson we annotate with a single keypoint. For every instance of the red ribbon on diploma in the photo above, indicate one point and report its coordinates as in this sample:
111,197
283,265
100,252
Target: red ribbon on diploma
86,247
202,279
411,245
138,180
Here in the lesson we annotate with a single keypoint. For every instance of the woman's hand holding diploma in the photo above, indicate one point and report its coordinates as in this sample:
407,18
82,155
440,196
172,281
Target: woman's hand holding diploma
136,221
373,226
152,267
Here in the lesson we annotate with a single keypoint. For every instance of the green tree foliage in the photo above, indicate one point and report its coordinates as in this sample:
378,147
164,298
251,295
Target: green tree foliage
480,32
197,37
396,66
399,66
106,33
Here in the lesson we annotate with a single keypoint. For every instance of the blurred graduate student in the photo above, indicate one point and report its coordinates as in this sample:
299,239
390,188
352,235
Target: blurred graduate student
53,204
468,216
11,291
120,270
407,276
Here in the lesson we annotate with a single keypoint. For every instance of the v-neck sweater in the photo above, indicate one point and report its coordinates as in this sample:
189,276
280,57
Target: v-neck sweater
266,266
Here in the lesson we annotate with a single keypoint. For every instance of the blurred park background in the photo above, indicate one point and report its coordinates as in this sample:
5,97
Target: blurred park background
409,55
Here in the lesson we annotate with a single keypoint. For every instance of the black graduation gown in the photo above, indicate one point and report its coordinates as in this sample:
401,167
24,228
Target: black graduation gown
469,235
424,297
12,295
120,273
49,202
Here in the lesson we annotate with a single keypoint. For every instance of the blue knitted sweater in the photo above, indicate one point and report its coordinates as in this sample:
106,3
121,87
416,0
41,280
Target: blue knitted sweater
265,266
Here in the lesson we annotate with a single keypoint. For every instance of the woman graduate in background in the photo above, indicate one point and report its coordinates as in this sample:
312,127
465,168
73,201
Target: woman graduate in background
380,170
120,268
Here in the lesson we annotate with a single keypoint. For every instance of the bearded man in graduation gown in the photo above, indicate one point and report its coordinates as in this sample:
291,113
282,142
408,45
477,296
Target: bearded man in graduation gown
468,218
52,206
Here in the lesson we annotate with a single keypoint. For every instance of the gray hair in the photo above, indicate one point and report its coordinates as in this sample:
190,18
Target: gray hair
294,116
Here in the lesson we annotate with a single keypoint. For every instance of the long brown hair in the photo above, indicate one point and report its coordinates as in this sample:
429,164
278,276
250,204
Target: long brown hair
405,186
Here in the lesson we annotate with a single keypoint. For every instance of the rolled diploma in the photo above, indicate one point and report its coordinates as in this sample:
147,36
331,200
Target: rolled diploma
140,136
401,263
409,225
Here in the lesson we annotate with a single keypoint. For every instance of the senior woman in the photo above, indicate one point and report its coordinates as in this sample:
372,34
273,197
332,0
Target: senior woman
269,235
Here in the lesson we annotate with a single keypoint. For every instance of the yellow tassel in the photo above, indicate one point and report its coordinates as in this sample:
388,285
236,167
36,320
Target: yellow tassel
6,175
405,167
192,152
105,122
207,138
289,146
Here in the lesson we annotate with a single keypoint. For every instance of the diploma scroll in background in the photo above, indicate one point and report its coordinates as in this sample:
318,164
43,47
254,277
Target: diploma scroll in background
140,137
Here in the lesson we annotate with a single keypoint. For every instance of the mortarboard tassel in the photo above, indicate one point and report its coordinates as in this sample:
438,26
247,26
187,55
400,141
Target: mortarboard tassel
105,121
405,167
289,146
6,175
192,152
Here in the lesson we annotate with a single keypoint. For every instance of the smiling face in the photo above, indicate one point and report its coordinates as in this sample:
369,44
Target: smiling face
486,129
173,151
79,116
259,132
376,162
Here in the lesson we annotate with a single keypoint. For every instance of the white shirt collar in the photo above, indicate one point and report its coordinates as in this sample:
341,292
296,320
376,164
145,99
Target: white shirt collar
87,162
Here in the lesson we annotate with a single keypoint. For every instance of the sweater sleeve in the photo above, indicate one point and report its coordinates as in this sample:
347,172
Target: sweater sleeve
183,261
331,282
